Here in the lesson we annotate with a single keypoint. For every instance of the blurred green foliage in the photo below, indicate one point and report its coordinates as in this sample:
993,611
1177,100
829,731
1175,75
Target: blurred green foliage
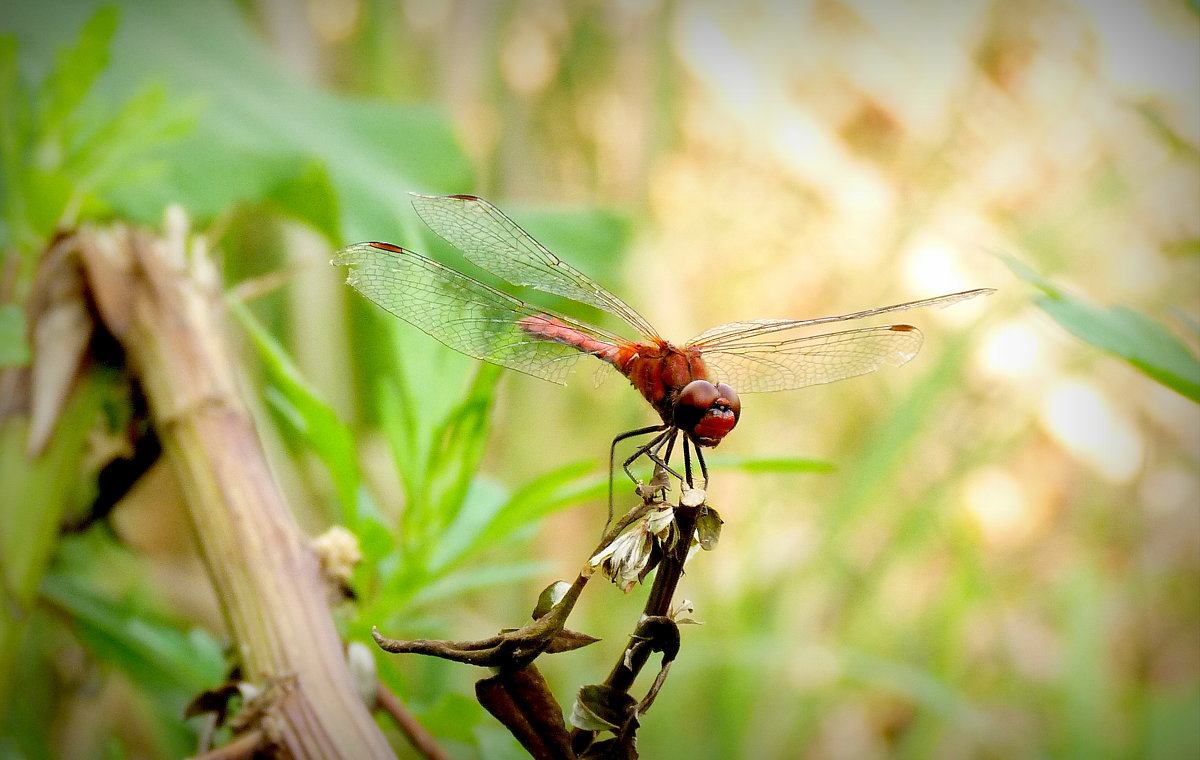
1134,337
218,139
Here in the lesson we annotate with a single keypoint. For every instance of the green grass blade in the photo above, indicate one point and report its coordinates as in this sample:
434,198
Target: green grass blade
309,415
78,67
1144,343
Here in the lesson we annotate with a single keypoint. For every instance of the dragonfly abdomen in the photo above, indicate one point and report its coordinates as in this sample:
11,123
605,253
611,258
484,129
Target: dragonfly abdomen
545,327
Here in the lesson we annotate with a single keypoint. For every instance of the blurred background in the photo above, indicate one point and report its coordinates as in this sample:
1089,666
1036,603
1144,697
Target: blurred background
993,551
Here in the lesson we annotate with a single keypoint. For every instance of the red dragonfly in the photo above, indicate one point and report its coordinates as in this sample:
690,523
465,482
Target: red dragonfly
690,386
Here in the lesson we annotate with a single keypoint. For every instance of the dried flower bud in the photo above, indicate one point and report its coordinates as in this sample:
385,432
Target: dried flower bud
337,549
626,560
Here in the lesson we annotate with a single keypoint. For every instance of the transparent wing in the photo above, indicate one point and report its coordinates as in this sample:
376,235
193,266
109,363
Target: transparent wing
760,366
734,353
496,243
459,311
736,332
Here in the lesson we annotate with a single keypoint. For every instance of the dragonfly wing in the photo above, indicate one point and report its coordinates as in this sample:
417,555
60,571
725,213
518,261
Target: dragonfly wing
760,366
461,312
735,353
496,243
734,332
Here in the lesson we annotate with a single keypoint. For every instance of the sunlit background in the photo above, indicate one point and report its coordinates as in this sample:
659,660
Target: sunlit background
1004,559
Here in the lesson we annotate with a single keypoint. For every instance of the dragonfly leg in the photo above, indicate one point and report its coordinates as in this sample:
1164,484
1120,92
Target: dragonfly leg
666,457
612,460
703,467
687,459
664,460
650,450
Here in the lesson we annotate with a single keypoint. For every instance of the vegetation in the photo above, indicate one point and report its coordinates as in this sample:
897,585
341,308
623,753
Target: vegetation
991,552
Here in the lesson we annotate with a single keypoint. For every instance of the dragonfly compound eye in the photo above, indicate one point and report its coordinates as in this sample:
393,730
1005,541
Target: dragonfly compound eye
707,412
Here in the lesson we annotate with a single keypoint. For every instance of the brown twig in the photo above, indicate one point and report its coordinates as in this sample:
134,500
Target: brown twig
420,739
243,746
658,604
643,643
517,695
513,650
522,701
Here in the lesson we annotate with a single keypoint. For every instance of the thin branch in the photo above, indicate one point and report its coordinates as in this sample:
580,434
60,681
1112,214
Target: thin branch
513,650
243,746
420,739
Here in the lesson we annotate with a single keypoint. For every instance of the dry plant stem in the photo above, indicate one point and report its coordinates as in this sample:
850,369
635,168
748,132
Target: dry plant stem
161,301
420,739
522,701
666,580
514,649
658,604
511,650
518,695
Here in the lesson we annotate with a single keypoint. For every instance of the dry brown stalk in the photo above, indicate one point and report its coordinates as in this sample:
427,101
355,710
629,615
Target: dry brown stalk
160,297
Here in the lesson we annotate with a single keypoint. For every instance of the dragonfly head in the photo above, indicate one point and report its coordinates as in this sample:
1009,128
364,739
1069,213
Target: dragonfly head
707,412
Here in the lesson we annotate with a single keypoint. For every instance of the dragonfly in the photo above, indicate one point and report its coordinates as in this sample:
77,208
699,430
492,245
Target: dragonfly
691,386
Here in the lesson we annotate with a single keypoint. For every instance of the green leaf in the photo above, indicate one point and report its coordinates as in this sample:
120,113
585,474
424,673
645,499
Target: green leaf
258,120
38,490
484,576
488,518
14,351
264,134
1145,344
438,467
27,721
310,416
63,146
483,500
461,441
1139,340
153,653
132,146
454,717
771,464
374,539
78,67
400,427
543,496
308,195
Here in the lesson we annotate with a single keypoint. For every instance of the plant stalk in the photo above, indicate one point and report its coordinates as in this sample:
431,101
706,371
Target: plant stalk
160,298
